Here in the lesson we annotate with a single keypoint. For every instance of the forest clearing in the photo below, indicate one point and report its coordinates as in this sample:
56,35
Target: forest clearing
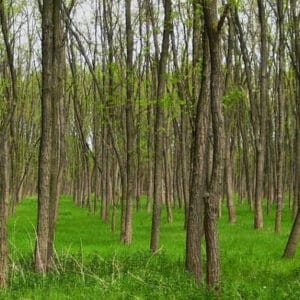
92,264
149,149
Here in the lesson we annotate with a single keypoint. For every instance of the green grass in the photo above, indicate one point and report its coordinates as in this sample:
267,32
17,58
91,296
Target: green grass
93,264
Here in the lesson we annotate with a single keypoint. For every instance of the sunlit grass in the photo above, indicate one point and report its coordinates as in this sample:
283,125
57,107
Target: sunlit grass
93,264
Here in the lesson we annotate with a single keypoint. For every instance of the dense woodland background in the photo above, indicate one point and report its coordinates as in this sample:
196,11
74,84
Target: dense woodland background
187,103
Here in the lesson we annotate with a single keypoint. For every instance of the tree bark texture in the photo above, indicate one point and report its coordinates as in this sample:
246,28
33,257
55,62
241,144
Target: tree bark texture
158,127
49,169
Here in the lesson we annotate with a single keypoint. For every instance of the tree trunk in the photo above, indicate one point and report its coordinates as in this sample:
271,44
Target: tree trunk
261,138
290,249
280,117
167,182
130,130
4,184
158,140
6,120
50,151
194,230
291,246
229,182
58,67
215,182
41,249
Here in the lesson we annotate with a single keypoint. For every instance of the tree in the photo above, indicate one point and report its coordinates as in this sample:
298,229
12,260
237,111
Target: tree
3,211
291,246
130,130
229,126
260,138
159,120
211,198
281,115
6,118
50,145
194,230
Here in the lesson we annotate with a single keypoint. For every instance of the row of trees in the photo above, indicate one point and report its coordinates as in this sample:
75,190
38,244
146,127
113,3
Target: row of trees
187,102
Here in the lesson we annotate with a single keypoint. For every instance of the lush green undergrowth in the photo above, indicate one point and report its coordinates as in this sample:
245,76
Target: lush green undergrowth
93,264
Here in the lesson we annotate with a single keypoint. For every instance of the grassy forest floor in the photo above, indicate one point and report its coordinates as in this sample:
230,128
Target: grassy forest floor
92,264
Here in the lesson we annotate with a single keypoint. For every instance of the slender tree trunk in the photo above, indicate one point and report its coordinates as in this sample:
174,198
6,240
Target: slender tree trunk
229,131
41,250
115,196
229,182
130,130
211,200
4,155
194,230
4,184
58,64
291,246
158,140
50,151
280,117
261,138
167,183
246,165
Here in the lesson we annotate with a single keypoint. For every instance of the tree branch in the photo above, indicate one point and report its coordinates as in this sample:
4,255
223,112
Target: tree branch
223,17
